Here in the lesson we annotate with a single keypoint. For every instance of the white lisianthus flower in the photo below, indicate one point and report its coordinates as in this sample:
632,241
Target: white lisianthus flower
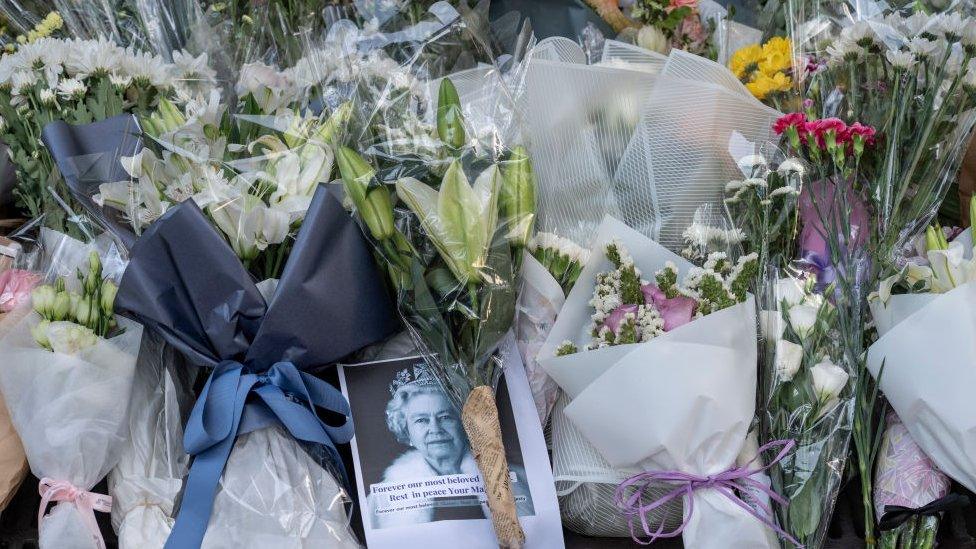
790,290
829,381
651,38
803,319
788,358
70,338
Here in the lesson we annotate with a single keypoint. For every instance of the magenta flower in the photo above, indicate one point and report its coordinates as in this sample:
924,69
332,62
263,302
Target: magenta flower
820,129
858,129
15,288
797,119
616,317
676,311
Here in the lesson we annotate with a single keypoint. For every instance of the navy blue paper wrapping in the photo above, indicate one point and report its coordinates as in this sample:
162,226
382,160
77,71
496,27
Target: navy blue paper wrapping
88,155
184,281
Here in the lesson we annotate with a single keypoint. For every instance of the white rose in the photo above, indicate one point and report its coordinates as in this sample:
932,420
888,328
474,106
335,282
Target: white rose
829,380
651,38
790,290
788,358
802,319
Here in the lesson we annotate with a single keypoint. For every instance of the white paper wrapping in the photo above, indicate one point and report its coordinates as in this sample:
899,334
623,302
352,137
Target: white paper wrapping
539,303
150,473
929,352
682,401
70,412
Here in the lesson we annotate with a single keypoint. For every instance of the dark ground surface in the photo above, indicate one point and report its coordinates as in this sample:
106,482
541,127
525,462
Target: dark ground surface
18,528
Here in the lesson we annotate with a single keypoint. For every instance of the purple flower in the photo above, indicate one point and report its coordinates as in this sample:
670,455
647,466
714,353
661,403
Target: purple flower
616,317
676,311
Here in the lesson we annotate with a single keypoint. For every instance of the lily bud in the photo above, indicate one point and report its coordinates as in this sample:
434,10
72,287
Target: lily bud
109,289
170,117
517,197
373,203
932,240
336,121
450,120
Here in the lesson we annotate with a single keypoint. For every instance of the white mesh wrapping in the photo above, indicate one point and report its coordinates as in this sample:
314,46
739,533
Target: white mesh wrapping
615,51
579,120
697,122
585,484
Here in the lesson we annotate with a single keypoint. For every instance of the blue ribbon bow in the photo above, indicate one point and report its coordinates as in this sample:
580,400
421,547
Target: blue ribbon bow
281,395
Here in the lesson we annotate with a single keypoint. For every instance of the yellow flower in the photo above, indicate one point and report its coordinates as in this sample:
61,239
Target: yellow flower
745,60
777,56
763,85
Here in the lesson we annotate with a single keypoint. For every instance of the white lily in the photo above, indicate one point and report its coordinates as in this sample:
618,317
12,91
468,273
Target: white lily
460,219
950,268
296,175
250,225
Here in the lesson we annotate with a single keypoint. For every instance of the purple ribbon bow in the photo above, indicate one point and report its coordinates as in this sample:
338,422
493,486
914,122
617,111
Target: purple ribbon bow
727,484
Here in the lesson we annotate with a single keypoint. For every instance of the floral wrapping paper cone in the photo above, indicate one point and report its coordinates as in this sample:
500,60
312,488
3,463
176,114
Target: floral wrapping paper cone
904,475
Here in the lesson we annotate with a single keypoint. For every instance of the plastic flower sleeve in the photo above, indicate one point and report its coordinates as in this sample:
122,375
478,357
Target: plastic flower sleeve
69,406
149,476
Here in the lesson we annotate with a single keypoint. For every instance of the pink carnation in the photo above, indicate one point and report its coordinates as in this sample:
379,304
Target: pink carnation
819,128
866,132
797,119
15,288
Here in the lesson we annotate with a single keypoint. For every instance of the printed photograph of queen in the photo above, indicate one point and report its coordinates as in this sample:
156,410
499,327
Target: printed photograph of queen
419,440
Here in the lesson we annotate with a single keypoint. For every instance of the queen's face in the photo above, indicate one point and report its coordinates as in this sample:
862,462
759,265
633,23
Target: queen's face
434,427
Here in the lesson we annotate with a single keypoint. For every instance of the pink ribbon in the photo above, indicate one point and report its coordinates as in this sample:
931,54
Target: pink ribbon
727,484
86,502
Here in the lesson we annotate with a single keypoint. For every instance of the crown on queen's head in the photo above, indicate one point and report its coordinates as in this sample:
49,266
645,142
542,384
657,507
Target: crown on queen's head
418,374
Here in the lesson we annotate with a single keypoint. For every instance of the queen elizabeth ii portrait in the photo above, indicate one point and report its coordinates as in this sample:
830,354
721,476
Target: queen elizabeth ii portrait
420,417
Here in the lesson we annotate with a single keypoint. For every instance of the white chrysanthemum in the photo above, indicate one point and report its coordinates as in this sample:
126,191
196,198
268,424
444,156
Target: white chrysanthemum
93,58
969,79
969,34
917,23
72,88
900,59
859,33
922,48
951,26
48,97
844,50
148,70
783,191
22,80
791,166
190,69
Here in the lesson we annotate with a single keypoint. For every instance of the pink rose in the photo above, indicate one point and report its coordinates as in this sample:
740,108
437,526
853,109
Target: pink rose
676,311
616,317
15,288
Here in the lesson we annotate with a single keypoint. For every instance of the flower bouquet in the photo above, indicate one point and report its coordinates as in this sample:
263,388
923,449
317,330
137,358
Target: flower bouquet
549,272
631,381
920,314
67,376
261,347
77,81
145,483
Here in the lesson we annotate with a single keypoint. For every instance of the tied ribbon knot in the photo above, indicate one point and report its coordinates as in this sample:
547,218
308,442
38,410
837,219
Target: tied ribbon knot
235,401
896,515
726,483
86,502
